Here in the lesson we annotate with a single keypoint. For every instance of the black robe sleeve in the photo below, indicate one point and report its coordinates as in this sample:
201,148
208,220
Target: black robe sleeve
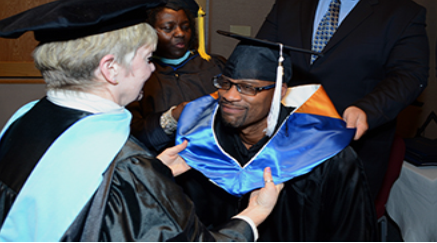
141,202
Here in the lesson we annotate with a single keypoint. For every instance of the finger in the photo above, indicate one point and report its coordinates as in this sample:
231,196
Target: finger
361,129
178,148
351,122
280,186
268,176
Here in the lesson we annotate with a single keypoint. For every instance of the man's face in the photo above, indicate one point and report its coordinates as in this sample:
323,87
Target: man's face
243,111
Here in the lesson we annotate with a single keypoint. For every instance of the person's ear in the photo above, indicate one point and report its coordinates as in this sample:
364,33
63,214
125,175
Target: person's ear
109,68
284,90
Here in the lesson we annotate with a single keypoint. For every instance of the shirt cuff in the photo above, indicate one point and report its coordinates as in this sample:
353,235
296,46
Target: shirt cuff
251,223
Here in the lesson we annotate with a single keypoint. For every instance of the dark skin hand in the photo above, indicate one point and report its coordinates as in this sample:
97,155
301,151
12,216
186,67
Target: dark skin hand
174,33
178,110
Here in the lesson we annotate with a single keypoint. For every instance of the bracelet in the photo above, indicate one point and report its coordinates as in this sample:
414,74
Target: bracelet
168,123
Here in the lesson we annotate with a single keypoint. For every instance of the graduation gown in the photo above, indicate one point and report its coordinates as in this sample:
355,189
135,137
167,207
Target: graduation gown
325,200
135,200
331,203
169,86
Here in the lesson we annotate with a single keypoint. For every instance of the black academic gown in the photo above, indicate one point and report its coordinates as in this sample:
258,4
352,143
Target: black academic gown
137,200
169,86
330,203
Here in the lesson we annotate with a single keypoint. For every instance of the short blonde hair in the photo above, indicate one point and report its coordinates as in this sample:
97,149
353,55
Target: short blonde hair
71,64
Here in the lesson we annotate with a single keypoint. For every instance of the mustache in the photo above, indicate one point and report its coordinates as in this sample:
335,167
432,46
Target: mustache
223,101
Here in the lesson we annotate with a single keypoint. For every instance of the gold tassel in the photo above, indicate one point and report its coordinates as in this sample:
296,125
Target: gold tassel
201,30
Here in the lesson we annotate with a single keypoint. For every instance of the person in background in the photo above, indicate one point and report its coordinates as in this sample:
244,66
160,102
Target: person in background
69,169
182,74
243,127
375,63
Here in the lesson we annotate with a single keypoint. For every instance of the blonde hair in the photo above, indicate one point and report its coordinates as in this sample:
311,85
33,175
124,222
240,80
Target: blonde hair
71,64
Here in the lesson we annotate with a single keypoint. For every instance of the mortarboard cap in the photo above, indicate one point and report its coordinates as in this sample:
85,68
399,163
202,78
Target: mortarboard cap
263,60
258,59
190,5
71,19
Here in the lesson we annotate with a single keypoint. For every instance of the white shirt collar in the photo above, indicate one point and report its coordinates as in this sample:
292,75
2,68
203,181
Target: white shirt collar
82,101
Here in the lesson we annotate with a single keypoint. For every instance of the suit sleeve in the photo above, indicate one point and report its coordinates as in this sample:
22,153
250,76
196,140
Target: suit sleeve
269,29
145,204
349,211
406,72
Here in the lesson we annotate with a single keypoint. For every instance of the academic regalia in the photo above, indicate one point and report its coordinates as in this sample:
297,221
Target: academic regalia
69,169
326,195
142,203
171,85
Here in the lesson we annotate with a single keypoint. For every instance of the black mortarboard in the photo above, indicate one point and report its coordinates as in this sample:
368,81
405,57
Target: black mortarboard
263,60
70,19
190,5
258,59
249,61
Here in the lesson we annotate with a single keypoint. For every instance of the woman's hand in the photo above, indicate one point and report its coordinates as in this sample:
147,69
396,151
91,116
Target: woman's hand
171,158
263,200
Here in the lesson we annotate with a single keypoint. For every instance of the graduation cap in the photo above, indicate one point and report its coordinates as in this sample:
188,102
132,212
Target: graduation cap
263,60
71,19
190,5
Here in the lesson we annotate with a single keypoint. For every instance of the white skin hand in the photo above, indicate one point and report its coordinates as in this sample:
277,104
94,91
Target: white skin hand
263,200
356,118
171,158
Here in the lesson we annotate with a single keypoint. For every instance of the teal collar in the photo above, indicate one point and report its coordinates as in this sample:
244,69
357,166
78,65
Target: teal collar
173,62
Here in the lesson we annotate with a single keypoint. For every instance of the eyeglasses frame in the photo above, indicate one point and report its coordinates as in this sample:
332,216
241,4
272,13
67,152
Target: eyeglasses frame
257,89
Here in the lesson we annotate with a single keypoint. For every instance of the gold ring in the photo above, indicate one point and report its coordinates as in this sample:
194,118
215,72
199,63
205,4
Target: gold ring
267,181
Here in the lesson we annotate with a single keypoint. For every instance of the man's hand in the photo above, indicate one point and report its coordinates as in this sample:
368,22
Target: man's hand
171,158
356,118
176,112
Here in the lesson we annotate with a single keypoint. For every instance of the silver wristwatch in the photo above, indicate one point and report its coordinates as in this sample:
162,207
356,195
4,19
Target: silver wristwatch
168,123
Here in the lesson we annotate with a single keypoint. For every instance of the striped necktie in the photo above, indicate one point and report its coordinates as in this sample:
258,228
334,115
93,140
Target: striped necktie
327,27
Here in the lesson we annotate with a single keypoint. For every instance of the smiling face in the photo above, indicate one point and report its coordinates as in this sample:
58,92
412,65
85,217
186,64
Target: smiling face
134,77
243,111
174,33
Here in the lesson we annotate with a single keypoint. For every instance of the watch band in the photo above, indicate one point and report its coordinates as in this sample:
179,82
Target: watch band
167,122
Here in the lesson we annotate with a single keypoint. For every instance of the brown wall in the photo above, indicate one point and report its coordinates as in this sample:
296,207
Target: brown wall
16,63
20,81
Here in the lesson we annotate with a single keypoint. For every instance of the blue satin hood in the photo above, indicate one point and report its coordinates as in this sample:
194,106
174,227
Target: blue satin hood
311,134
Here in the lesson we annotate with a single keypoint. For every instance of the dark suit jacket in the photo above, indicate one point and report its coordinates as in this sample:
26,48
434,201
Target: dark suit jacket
377,60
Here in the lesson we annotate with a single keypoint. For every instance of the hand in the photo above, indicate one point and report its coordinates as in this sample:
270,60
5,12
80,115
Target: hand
171,158
176,112
262,201
356,118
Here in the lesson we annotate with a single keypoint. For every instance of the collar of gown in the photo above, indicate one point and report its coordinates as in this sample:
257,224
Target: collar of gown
82,101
